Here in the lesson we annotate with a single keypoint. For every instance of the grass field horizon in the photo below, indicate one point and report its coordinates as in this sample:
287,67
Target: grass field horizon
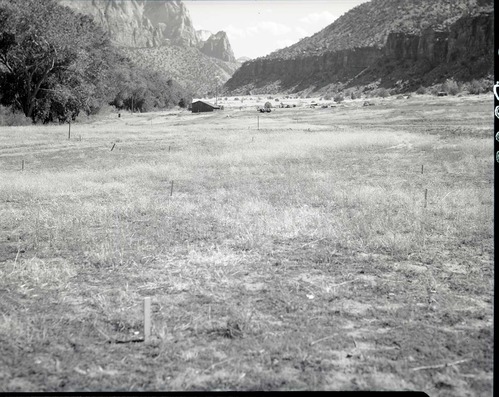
346,248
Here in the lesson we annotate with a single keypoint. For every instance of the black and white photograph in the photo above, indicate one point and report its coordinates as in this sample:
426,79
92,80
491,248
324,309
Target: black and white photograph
247,195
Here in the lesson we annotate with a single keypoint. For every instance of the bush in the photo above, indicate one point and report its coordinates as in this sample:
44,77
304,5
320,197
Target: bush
383,93
328,97
268,105
476,87
451,87
338,98
353,96
8,117
421,90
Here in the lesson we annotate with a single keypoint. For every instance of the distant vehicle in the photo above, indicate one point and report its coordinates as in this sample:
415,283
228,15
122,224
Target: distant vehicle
442,93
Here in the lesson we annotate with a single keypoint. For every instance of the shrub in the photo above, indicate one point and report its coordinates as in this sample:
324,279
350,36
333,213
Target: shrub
353,96
383,93
421,90
476,87
328,97
268,105
8,117
338,98
451,87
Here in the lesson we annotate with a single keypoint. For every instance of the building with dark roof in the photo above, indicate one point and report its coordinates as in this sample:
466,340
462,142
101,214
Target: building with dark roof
202,106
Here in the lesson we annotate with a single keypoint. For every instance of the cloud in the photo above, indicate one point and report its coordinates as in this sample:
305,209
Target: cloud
274,28
231,30
318,17
263,27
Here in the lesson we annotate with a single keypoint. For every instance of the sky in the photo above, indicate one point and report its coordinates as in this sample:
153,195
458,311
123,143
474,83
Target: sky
257,27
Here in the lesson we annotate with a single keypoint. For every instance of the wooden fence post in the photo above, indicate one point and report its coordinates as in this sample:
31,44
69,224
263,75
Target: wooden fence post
147,319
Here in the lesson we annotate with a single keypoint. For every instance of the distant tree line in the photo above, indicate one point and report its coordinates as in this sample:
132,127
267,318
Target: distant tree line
55,63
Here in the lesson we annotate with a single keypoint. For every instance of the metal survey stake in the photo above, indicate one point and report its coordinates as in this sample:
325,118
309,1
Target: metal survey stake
147,319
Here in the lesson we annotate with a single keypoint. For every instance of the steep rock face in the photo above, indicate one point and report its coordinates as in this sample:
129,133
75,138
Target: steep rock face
140,23
471,37
218,46
122,19
172,20
431,45
204,35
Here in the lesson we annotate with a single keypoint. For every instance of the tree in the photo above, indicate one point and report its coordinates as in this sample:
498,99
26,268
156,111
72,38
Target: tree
53,62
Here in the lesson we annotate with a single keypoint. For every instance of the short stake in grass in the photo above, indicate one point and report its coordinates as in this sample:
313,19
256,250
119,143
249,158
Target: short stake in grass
147,319
69,130
114,144
425,197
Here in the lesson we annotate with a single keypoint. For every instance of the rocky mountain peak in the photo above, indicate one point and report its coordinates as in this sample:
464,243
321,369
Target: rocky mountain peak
218,46
204,34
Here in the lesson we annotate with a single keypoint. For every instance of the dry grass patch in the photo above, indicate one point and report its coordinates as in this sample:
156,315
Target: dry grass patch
297,256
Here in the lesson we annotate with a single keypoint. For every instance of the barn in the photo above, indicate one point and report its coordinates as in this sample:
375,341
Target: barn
202,106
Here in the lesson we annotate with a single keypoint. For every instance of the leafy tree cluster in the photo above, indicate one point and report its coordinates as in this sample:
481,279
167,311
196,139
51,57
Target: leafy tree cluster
55,63
143,90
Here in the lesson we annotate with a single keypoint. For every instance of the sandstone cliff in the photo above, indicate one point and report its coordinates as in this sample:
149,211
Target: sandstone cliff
218,46
122,19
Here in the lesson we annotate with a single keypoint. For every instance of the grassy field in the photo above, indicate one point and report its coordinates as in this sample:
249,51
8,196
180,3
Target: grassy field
346,248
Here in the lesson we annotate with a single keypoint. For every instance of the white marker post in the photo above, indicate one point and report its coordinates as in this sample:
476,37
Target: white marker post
147,319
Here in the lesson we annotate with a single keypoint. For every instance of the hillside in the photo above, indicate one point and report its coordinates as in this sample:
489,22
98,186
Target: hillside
366,36
187,65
